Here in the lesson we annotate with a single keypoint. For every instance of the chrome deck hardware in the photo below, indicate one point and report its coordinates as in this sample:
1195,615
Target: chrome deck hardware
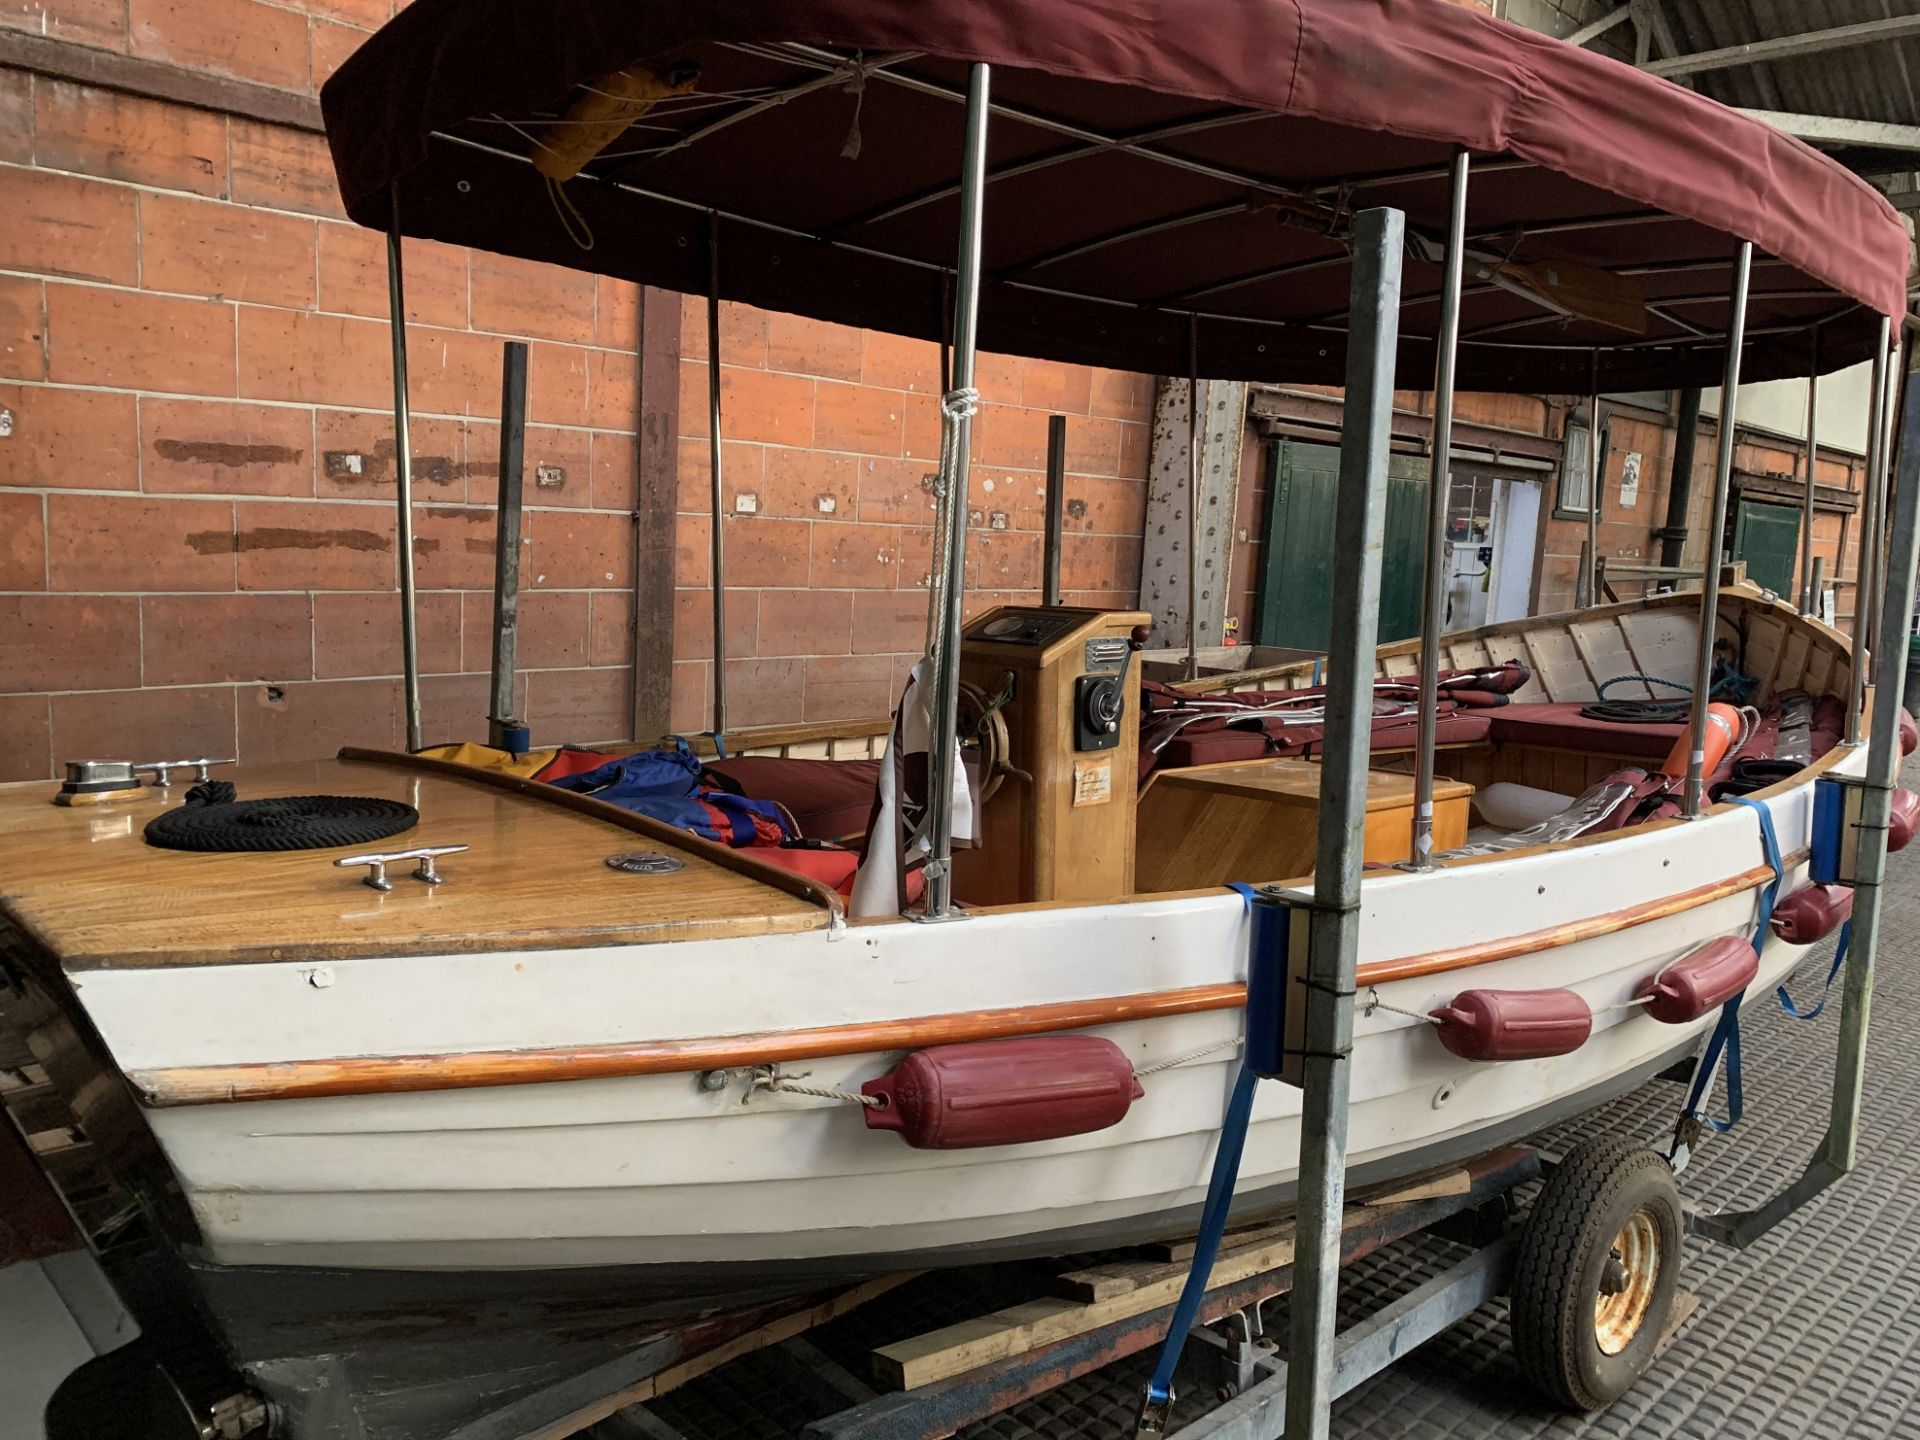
91,782
163,770
426,871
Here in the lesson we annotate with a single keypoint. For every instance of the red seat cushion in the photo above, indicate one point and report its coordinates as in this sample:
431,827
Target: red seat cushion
828,799
1224,746
1561,726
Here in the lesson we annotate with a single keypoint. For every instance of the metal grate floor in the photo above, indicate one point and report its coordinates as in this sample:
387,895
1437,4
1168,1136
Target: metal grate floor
1813,1332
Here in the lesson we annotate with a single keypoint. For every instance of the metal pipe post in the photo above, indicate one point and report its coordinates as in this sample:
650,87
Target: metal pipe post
1593,478
1882,518
945,628
504,729
1439,488
719,562
1819,585
1193,496
1813,460
1716,529
1883,769
403,476
1359,538
1866,568
1686,429
1056,508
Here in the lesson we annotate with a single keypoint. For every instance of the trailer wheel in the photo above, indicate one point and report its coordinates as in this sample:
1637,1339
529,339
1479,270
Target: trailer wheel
1598,1266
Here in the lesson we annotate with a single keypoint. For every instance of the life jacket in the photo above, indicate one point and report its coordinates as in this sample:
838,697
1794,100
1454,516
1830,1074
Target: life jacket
666,785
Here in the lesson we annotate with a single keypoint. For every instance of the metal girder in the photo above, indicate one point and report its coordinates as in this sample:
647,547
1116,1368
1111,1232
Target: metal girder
1787,47
1869,134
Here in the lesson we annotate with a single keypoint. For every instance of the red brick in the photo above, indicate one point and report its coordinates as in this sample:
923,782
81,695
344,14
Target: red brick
1121,395
367,14
207,247
765,692
69,642
553,629
79,439
323,359
896,491
1094,446
900,363
742,472
616,313
849,687
556,386
861,557
743,336
691,695
123,137
1099,562
356,450
128,542
353,276
285,169
610,628
693,623
921,427
579,706
205,639
145,724
148,342
805,622
219,447
1005,559
454,707
915,559
16,117
241,38
615,476
808,484
692,558
754,405
811,347
1008,435
761,551
312,720
28,753
358,634
1100,506
559,469
330,45
1012,499
613,390
64,225
1051,386
577,550
23,542
524,297
452,372
23,329
92,22
858,418
889,620
305,545
453,547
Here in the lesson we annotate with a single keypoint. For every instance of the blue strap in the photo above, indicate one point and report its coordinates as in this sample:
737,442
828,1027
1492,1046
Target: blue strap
1770,844
1725,1039
1839,960
1213,1224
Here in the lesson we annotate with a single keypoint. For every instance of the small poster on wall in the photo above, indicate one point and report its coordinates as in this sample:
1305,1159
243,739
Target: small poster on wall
1630,480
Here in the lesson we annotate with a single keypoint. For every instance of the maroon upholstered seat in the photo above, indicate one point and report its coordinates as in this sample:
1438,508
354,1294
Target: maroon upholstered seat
828,799
1225,745
1561,726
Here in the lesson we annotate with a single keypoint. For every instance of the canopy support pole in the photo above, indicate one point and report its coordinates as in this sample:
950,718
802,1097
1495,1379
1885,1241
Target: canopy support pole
505,730
1716,531
1359,538
1193,496
1439,488
1813,461
1056,509
1865,568
1592,576
957,413
403,475
719,542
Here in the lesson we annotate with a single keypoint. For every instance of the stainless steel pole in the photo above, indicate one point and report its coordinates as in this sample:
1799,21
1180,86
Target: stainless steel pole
1193,496
1359,537
1882,520
505,731
1883,769
1593,478
403,475
958,404
719,562
1439,487
1056,509
1716,529
1865,567
1813,460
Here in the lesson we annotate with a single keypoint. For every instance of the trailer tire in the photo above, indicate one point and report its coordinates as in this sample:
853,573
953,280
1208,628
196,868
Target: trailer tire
1597,1270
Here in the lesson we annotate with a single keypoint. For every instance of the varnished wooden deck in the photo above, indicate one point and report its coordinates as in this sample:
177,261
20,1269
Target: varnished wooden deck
86,885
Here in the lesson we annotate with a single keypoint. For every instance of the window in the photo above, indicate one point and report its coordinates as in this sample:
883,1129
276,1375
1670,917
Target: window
1575,471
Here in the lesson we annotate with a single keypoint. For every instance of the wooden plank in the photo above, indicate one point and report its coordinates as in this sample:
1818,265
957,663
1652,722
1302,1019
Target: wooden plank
1603,647
656,521
1766,636
82,64
1557,665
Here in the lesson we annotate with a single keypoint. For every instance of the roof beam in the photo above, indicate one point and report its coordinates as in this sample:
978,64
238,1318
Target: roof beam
1833,129
1587,34
1787,47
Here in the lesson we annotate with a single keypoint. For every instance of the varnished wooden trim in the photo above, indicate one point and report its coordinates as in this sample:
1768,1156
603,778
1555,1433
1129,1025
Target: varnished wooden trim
396,1074
738,861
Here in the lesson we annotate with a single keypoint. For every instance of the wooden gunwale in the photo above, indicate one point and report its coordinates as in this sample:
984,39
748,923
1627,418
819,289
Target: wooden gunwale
398,1074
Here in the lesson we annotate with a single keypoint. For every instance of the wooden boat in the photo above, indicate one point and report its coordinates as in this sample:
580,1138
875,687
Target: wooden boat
453,1159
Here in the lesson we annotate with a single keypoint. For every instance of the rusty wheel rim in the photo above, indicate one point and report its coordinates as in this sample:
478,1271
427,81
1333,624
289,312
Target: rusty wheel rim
1627,1283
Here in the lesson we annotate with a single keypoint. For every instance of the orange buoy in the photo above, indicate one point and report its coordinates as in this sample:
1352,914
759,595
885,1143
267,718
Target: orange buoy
1514,1024
1703,979
1723,728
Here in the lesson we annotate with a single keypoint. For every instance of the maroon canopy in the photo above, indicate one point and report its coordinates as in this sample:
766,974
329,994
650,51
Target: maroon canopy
1150,159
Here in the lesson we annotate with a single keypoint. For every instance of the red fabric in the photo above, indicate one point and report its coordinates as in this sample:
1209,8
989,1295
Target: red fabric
828,799
1563,727
833,868
572,761
1222,746
1367,88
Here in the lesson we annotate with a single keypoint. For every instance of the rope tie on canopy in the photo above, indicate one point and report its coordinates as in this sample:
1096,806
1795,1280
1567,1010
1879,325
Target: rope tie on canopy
956,405
856,87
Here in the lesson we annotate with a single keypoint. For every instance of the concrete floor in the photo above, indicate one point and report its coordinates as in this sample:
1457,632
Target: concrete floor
1814,1332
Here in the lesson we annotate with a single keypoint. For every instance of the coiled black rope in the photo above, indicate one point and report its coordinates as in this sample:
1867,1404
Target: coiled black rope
213,820
1728,685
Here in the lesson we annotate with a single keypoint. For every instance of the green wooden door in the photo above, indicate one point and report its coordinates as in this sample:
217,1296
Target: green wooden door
1767,537
1296,560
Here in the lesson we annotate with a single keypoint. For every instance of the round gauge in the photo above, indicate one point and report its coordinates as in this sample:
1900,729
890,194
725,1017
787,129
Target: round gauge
1003,628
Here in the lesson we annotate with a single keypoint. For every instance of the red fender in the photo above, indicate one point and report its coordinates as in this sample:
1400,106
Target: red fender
1901,819
1700,981
1514,1024
1812,913
1003,1092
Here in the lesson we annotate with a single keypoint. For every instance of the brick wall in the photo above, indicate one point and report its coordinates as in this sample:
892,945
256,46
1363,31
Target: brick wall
196,467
